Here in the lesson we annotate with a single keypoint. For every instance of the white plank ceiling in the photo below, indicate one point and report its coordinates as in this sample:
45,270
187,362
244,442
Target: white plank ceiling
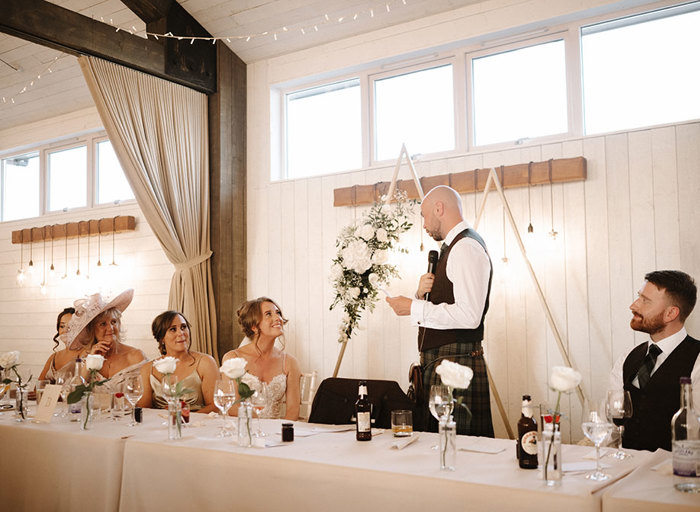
275,27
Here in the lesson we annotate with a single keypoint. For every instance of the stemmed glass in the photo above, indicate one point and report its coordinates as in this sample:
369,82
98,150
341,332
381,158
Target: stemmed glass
224,397
63,380
619,409
258,403
597,429
440,403
133,391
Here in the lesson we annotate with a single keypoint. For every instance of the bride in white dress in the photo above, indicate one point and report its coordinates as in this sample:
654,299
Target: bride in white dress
271,372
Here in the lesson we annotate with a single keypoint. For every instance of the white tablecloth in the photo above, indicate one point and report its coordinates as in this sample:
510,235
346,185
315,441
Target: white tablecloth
649,488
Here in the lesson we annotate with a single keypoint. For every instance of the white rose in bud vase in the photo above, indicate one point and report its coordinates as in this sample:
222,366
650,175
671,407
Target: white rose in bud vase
366,232
454,375
9,359
564,379
94,362
166,365
234,368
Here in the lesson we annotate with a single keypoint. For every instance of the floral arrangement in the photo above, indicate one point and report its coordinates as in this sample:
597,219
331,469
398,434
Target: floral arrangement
454,376
93,363
10,361
173,394
235,369
562,380
361,268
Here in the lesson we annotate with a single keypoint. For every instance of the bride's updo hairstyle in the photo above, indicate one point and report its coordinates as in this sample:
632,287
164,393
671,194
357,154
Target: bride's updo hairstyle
250,315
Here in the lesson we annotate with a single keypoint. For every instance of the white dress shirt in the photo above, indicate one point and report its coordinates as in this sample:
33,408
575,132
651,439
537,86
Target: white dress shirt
667,345
468,269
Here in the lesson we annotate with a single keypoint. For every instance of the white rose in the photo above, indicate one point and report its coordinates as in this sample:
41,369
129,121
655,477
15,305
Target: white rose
354,292
564,379
380,257
357,256
94,362
346,318
234,368
366,232
454,375
336,271
165,365
9,359
382,235
373,279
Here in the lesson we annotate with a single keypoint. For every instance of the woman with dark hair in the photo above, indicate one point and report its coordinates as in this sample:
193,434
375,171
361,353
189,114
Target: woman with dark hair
270,372
198,372
59,359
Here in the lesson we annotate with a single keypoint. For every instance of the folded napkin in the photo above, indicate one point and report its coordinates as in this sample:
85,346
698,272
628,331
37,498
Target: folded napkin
665,467
580,466
603,452
402,442
471,444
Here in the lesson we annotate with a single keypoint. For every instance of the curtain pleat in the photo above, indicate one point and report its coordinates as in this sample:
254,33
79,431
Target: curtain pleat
159,133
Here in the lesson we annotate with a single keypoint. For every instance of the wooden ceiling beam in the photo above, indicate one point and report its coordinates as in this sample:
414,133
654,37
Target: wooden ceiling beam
50,25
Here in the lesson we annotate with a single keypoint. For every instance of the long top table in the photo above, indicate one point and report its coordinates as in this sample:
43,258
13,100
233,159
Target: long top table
114,467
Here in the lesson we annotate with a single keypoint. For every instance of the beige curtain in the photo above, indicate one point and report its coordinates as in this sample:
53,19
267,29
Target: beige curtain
159,133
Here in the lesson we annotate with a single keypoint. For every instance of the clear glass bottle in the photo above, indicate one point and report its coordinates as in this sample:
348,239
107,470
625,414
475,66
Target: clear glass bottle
75,381
685,433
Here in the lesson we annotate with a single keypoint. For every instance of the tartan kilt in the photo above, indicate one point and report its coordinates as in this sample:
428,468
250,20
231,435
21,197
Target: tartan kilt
476,396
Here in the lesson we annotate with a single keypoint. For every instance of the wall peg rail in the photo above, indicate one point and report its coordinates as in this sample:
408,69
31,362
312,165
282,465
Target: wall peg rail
81,228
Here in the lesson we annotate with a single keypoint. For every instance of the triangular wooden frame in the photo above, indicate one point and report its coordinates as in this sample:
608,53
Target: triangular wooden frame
493,179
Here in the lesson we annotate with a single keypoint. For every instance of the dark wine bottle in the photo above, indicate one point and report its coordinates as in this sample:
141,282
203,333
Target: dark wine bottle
362,412
527,436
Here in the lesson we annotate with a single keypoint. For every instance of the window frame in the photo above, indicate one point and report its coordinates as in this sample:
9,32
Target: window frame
43,150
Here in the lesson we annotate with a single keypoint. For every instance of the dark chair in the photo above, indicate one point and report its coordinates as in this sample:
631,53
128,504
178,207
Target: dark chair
335,399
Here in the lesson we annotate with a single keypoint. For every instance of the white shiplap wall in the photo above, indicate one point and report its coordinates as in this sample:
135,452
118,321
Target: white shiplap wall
635,213
29,318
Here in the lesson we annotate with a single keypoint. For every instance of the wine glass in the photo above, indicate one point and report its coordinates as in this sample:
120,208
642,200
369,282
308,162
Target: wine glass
133,391
596,428
224,397
440,403
63,380
619,409
258,403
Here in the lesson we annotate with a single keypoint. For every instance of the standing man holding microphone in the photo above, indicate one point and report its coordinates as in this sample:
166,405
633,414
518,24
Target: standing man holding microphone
450,306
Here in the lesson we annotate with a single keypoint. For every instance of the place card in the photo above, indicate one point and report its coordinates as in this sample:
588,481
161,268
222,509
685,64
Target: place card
49,399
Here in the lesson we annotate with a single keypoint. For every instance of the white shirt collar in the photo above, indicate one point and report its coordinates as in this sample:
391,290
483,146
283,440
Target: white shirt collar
459,227
669,344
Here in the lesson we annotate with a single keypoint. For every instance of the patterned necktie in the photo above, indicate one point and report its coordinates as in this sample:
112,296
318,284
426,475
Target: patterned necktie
644,373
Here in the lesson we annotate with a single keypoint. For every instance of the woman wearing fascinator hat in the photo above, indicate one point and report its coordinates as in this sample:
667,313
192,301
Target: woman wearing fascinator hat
96,325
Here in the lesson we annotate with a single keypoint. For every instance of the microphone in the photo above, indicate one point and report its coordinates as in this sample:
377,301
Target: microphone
432,266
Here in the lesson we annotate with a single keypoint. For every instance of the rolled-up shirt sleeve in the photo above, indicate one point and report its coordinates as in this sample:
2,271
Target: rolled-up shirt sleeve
468,269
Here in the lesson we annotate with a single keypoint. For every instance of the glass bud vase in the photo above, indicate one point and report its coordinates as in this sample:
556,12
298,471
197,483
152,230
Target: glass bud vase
245,425
87,411
551,453
447,431
174,420
21,401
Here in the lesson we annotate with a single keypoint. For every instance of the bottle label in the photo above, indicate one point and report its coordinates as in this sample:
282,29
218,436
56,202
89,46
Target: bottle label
363,422
528,443
686,459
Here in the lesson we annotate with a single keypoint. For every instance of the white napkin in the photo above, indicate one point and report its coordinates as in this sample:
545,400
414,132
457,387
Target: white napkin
402,442
584,465
665,467
474,445
603,452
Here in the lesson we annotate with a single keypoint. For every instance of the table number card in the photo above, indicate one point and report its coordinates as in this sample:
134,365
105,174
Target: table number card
49,399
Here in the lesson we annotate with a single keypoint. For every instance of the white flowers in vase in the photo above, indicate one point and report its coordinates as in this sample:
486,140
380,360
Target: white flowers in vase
10,361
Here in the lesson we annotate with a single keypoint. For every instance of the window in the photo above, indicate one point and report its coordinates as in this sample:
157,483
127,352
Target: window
112,186
416,108
61,176
67,177
324,129
519,94
20,187
642,70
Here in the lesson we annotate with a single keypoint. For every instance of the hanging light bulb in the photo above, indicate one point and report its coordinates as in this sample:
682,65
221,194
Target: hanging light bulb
99,244
553,234
65,272
114,229
20,272
52,269
504,259
42,286
77,272
530,229
31,251
87,274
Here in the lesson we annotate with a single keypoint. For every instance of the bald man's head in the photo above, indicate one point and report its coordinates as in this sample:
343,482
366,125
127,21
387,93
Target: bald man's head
441,210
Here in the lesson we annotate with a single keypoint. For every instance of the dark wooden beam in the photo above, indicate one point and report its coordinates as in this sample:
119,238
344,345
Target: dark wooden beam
227,159
149,10
53,26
